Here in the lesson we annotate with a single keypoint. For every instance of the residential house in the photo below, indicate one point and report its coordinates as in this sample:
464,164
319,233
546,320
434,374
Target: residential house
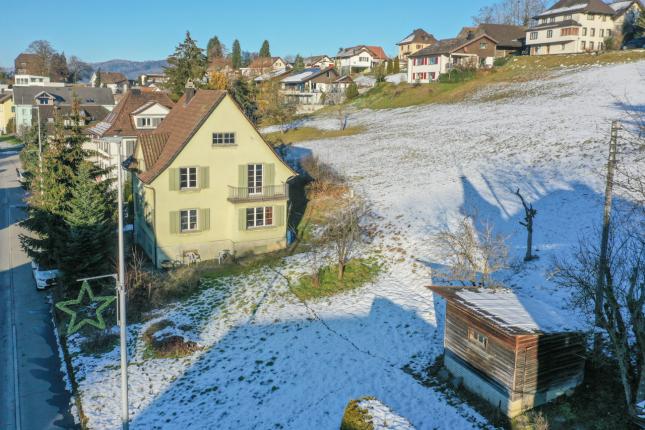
261,65
35,81
413,42
516,353
626,11
29,69
510,38
313,88
94,103
6,110
571,27
318,61
272,75
359,58
427,64
207,183
115,81
149,79
137,113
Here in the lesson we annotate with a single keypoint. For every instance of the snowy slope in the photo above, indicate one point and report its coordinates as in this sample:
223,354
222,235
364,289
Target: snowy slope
269,361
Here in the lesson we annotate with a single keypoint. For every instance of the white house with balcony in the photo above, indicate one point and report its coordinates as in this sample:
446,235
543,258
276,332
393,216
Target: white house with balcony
137,113
311,89
35,81
572,27
359,58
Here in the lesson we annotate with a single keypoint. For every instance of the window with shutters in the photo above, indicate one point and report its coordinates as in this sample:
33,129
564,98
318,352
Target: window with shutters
188,178
255,174
259,217
188,220
223,138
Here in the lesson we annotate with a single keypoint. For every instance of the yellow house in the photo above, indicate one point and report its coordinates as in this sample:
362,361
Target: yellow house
6,110
206,183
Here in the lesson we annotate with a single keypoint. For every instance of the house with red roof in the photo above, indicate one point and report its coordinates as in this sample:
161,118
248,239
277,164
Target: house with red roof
359,58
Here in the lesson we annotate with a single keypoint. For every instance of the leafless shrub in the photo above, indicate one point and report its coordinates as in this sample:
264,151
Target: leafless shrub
472,256
325,178
622,298
346,229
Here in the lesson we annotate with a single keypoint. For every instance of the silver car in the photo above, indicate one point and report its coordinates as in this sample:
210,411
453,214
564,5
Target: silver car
44,276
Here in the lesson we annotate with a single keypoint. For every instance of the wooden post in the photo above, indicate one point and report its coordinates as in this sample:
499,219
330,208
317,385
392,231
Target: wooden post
604,241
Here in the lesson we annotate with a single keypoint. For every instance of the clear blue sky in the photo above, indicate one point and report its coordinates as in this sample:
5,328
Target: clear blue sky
147,30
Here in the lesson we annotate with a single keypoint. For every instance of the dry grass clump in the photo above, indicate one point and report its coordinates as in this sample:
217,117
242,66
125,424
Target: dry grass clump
170,346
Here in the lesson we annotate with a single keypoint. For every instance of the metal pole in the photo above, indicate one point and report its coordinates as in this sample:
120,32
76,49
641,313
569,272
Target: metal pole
40,153
121,293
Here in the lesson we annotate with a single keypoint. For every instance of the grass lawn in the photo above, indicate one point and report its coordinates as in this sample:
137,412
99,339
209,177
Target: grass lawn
13,140
358,272
309,133
518,69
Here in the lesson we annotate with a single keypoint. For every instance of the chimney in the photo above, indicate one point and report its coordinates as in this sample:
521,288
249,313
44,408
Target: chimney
190,91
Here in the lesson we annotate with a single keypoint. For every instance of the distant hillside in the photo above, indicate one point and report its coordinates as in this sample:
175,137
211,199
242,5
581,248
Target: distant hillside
131,69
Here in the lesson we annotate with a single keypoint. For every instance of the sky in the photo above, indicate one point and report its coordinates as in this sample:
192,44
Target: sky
147,30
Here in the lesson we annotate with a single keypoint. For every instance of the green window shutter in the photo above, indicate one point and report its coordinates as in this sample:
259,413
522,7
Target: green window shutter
279,215
242,219
269,174
243,178
205,219
174,222
204,177
173,174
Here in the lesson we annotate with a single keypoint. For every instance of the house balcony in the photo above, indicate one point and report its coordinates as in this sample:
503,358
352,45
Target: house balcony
257,194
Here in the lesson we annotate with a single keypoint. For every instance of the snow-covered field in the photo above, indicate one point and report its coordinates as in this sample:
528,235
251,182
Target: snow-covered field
269,361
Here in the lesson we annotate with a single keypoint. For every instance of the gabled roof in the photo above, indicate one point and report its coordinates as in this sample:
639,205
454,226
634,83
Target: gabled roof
564,7
120,123
448,46
507,311
375,51
5,95
307,75
378,52
418,35
174,132
505,35
271,75
315,58
620,7
264,63
112,77
64,95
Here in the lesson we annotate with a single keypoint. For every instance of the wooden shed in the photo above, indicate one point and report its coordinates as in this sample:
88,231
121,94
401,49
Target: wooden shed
514,352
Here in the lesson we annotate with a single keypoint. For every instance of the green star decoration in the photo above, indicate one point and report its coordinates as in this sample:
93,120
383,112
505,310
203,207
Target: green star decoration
99,322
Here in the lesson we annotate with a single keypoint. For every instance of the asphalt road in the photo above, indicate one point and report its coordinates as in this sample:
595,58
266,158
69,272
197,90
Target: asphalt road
32,386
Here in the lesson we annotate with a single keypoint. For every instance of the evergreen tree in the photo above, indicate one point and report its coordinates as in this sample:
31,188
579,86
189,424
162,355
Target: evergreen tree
97,81
187,62
214,49
390,67
265,51
244,95
351,92
298,64
88,227
58,70
236,55
396,66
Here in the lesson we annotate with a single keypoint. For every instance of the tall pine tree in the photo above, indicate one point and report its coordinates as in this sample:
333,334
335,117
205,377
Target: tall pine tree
87,229
298,64
236,55
187,62
265,51
214,49
244,95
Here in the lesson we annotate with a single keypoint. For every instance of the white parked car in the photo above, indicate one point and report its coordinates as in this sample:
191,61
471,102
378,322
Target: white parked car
44,276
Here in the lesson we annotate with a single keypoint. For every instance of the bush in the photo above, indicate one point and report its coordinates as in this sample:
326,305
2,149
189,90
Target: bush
324,176
356,418
171,346
352,91
458,74
99,343
500,61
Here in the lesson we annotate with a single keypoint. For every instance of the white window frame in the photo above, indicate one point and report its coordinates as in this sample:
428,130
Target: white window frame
223,138
189,176
255,176
549,34
534,35
256,217
477,338
192,220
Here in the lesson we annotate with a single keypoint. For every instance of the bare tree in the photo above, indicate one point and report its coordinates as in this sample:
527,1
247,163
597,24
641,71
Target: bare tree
529,214
44,52
623,298
345,229
514,12
473,256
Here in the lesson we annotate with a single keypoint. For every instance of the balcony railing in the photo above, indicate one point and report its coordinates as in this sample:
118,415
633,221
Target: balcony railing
248,194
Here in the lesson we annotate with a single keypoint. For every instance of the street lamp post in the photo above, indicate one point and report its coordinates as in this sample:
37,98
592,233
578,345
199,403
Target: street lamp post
121,304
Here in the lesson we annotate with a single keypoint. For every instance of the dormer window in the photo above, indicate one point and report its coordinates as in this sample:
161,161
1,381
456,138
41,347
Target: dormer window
43,101
148,122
